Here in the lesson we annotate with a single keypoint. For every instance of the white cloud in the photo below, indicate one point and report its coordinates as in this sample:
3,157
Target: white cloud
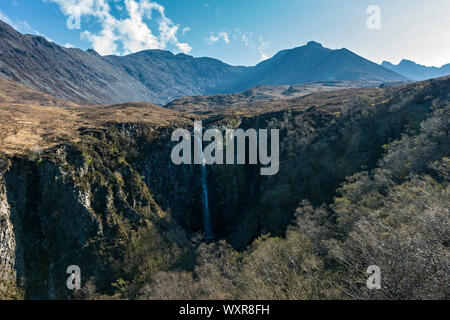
124,36
263,46
215,37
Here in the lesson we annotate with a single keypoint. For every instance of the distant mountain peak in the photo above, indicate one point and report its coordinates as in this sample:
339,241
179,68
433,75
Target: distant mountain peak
417,71
314,44
406,61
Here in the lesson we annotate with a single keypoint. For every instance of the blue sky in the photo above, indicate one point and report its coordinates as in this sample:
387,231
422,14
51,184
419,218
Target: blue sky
240,32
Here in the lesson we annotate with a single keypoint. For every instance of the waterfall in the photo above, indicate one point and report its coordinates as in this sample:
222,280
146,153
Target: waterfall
204,183
206,213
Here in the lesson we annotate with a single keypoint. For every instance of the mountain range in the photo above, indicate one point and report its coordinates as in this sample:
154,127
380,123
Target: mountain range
159,76
416,71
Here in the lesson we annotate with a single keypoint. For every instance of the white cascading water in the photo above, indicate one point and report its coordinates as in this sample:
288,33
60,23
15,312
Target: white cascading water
203,180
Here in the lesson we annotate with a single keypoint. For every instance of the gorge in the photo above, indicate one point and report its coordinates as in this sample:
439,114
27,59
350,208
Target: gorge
106,196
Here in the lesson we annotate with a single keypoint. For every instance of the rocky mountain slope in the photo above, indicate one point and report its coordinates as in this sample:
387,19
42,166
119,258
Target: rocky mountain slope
34,120
167,76
71,74
416,71
103,193
258,96
159,76
312,63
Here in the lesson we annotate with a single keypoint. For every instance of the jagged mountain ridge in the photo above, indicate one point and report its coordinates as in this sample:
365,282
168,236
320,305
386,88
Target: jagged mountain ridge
416,71
159,77
167,76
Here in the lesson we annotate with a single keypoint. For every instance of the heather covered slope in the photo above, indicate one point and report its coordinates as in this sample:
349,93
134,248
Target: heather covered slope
87,78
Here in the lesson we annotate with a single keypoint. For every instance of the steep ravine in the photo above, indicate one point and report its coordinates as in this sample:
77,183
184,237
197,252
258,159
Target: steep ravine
81,203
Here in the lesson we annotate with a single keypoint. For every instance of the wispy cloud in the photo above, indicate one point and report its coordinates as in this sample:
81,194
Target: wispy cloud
6,19
21,26
239,36
215,37
263,46
123,36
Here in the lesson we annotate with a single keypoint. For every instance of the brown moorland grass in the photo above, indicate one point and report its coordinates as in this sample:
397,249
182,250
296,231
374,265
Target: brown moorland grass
33,120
